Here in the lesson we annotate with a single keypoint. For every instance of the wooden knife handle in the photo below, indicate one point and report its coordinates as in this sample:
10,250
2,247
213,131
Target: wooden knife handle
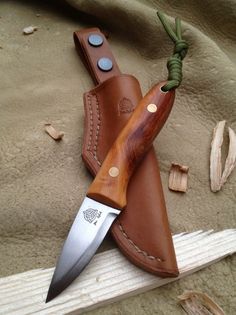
110,185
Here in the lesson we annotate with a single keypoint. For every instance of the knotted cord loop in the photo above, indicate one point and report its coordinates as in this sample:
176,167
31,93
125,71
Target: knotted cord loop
174,63
181,48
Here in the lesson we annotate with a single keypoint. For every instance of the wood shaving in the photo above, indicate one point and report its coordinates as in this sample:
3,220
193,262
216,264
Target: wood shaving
215,157
29,30
198,303
231,158
217,178
56,135
178,178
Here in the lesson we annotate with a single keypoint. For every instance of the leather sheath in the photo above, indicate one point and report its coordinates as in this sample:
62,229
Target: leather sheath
142,229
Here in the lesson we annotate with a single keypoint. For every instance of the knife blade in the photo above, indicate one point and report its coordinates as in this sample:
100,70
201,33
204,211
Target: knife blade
106,196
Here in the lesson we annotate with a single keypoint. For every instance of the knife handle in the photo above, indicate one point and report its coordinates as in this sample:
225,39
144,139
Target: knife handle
110,185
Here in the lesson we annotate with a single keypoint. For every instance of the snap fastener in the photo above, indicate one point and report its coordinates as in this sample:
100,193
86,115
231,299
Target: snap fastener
105,64
95,40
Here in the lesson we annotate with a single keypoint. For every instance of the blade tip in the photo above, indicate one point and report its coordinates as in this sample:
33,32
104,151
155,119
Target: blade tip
52,293
49,297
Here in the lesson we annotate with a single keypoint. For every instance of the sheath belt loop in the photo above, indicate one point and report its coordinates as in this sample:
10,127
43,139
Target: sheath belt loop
96,54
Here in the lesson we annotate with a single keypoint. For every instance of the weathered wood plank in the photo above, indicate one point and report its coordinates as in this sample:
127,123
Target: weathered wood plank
109,277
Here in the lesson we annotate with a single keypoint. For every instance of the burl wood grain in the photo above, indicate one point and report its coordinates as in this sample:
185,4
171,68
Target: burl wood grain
110,184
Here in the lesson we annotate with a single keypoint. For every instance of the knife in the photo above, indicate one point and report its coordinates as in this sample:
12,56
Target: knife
106,196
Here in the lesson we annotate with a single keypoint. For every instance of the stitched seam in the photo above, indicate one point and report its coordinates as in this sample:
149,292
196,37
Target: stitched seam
140,251
97,131
90,122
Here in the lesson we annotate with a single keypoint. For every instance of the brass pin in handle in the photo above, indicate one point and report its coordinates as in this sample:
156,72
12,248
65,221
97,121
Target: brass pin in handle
110,184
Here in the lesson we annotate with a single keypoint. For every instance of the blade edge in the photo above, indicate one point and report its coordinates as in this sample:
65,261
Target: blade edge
57,287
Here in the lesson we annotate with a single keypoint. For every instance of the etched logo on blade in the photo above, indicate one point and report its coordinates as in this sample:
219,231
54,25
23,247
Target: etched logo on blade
91,215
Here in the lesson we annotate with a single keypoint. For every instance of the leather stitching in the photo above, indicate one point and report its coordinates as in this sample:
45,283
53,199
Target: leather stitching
94,151
140,251
97,130
90,122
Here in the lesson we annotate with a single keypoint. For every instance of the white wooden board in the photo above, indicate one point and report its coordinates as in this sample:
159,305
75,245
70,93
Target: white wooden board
109,277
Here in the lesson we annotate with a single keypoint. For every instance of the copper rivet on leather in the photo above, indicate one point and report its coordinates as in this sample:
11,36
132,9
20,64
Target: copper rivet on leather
152,108
114,171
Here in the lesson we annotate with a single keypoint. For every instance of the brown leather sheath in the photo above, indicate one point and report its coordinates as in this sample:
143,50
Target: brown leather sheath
142,230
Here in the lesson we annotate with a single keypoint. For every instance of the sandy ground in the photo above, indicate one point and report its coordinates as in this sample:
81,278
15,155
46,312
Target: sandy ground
43,182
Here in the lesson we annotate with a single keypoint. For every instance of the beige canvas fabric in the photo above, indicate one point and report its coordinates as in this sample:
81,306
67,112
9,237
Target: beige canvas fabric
42,182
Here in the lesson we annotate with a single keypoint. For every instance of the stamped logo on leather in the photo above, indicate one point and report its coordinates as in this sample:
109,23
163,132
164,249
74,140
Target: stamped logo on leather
125,106
91,215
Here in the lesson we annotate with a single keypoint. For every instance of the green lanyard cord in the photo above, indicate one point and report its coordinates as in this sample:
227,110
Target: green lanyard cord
174,63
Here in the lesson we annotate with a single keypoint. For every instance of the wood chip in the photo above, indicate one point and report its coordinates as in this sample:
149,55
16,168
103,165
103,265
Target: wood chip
230,162
215,157
198,303
217,178
29,30
56,135
178,178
